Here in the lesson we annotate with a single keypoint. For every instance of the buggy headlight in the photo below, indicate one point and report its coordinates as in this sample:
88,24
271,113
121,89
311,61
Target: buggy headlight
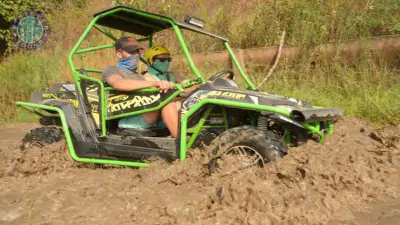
189,19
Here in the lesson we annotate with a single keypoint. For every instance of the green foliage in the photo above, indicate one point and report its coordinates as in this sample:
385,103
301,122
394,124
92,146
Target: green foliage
10,8
306,22
25,73
312,21
365,89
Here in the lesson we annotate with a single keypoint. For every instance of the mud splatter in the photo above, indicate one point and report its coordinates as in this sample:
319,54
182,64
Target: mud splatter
334,183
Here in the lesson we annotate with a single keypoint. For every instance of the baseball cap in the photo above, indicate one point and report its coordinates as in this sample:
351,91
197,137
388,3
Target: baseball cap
128,44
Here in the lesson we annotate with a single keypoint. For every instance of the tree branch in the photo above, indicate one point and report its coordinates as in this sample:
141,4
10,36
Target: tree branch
276,60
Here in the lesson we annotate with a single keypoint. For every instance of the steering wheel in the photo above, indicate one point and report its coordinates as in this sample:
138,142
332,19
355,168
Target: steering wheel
222,72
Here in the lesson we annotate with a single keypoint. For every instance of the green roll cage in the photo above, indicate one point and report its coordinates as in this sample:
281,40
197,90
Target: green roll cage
153,23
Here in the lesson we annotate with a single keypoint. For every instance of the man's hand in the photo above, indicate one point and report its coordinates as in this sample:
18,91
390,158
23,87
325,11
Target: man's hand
164,85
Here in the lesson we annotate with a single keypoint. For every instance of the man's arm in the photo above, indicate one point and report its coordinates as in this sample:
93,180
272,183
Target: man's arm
119,83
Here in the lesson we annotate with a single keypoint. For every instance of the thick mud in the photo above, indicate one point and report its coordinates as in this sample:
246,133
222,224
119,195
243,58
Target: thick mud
353,178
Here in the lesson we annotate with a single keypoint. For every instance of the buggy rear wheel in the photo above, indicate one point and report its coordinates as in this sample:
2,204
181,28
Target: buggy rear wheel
41,136
243,147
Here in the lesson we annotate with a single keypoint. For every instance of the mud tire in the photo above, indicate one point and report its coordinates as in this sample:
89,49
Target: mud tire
41,136
204,139
267,144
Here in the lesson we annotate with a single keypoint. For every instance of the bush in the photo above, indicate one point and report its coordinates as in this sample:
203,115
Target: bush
365,89
22,74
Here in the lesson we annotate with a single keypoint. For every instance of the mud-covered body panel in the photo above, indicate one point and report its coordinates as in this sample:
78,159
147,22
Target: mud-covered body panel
237,95
122,102
304,111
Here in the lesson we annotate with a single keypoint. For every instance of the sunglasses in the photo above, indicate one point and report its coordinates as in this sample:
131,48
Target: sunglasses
163,59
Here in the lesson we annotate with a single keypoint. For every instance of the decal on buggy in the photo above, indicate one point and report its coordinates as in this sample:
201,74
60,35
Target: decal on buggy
203,94
187,104
254,99
119,102
226,94
60,96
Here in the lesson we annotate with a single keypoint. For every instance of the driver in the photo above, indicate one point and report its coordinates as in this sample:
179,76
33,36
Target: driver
123,77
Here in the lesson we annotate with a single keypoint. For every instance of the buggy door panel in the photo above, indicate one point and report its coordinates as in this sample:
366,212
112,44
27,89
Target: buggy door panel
119,102
91,95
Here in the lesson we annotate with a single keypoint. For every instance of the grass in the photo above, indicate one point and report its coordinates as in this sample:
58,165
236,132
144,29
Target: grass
366,88
363,90
24,73
258,24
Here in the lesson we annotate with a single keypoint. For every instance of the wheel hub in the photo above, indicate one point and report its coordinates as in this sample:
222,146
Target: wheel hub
236,158
246,155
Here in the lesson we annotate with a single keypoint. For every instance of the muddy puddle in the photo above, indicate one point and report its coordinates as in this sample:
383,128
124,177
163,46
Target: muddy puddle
353,175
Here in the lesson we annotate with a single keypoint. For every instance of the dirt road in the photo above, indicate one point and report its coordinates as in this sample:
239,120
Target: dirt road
353,178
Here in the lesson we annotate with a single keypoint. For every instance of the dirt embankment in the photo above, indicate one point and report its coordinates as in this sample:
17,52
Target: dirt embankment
353,178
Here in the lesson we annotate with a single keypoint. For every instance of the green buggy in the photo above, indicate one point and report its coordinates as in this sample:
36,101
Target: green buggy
253,126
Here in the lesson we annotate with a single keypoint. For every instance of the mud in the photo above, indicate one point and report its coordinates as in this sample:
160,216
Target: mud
353,178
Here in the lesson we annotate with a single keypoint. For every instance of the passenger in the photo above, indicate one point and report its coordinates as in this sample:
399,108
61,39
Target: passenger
158,59
123,76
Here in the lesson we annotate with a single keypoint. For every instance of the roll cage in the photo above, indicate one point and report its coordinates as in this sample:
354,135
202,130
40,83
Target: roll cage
146,25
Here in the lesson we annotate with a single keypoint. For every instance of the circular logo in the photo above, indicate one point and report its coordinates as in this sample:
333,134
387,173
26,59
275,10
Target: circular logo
30,30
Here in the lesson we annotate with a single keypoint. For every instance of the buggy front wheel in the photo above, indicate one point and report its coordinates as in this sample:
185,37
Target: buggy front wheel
243,147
